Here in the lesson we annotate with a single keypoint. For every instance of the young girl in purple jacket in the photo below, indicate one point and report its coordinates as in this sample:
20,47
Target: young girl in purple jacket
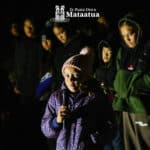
78,115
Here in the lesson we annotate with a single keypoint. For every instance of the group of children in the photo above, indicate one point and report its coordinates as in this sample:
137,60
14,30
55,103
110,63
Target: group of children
79,114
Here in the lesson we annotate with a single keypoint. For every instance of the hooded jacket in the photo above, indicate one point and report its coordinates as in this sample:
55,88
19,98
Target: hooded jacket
105,72
132,82
82,130
27,65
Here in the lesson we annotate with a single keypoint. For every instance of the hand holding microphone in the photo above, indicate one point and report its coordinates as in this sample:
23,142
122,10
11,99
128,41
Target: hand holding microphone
63,111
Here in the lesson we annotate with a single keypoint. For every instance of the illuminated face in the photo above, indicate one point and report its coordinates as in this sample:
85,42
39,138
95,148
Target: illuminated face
128,35
60,34
73,79
29,28
14,30
47,44
103,21
106,54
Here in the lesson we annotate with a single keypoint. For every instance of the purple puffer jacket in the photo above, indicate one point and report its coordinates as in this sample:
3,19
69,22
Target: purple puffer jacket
88,115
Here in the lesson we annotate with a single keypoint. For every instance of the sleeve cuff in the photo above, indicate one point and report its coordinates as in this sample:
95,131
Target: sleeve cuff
54,124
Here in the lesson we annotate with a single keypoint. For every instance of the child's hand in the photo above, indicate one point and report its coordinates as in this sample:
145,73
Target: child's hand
63,113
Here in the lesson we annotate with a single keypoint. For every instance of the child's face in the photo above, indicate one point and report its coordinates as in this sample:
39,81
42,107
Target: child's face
73,79
14,30
60,34
106,54
29,28
128,35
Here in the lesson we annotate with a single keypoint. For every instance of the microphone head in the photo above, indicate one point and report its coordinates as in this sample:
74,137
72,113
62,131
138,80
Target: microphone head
64,102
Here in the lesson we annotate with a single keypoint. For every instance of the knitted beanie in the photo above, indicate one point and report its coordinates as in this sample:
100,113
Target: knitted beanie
82,61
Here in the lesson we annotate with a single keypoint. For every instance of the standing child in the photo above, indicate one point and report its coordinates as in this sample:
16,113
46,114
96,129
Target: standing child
132,83
77,114
106,68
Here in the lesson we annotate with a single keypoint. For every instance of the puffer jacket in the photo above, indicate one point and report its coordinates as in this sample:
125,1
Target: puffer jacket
87,125
132,92
132,81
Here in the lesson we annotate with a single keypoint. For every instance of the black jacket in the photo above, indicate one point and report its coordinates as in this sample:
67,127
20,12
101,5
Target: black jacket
27,65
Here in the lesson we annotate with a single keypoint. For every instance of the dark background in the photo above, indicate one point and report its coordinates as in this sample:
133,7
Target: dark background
44,9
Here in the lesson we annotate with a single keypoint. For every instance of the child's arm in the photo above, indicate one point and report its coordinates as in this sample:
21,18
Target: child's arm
49,126
52,119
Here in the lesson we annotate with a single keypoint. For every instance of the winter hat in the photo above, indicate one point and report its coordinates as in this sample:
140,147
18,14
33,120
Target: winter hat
83,61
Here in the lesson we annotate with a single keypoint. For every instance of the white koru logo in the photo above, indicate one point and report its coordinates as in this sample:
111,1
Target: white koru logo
59,13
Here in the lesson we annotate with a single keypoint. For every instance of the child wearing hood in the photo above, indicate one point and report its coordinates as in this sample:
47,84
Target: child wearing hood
106,68
132,84
77,115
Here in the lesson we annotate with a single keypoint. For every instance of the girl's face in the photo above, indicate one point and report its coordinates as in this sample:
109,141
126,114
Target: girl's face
128,35
60,34
73,79
14,30
106,54
29,28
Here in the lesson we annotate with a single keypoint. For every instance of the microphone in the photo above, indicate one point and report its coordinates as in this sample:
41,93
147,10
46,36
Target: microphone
64,102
